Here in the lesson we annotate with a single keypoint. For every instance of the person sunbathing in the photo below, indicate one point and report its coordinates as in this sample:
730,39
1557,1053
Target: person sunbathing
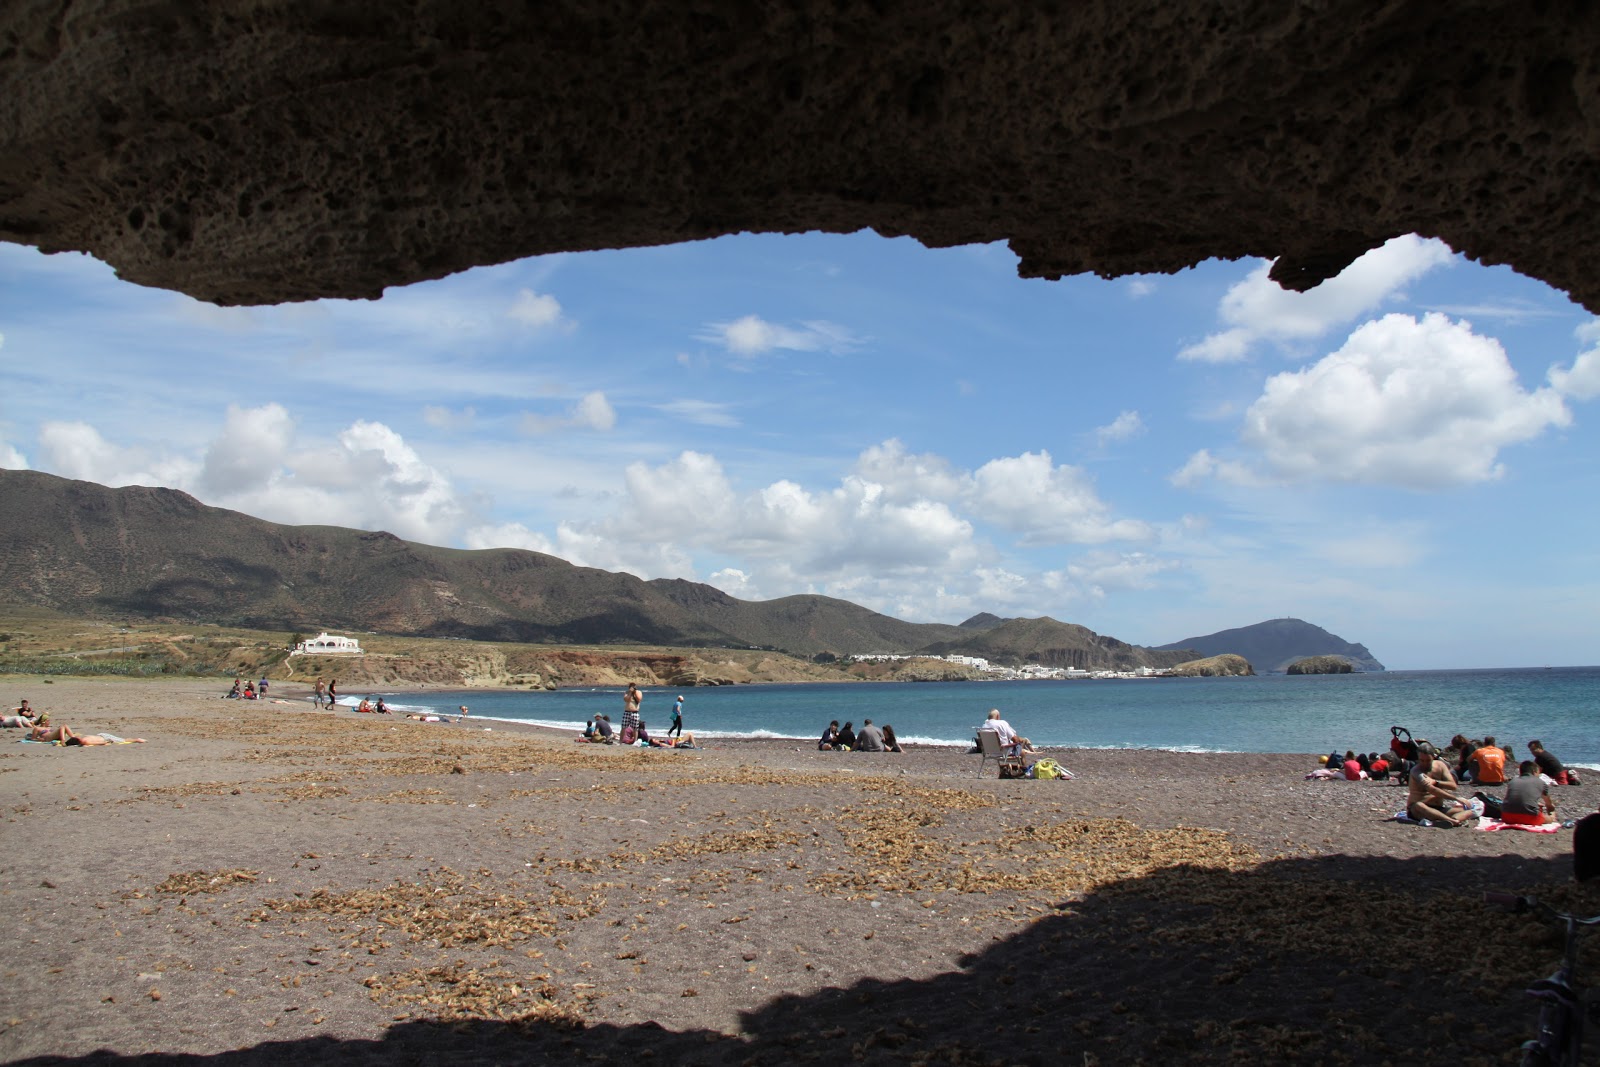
684,741
45,732
365,707
90,740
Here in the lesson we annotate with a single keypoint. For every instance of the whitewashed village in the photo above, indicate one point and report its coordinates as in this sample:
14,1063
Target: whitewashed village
1028,671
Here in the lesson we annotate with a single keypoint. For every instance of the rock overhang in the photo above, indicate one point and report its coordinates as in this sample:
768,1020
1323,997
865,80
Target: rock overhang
257,153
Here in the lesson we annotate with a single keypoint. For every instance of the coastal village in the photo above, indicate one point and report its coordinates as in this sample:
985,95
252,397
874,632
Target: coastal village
1026,672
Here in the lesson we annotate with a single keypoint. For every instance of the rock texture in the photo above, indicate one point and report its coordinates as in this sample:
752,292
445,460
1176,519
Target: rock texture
1320,665
1224,666
246,153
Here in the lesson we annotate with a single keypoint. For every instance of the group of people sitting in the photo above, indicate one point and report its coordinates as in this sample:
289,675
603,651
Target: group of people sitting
243,690
39,728
870,738
1434,778
369,707
599,731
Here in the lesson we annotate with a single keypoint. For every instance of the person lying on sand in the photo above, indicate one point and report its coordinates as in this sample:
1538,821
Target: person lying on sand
21,718
90,740
686,740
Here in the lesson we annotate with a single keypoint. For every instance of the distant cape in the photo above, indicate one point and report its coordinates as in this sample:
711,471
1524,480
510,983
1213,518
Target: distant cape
1272,645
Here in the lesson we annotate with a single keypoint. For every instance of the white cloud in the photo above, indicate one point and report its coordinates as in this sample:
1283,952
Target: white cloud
1125,426
1139,288
77,450
700,412
538,310
11,459
753,336
905,476
247,455
1581,381
1046,504
507,535
1258,309
1415,404
591,412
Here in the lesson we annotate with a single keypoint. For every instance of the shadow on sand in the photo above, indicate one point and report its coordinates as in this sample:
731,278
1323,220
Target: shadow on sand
1332,960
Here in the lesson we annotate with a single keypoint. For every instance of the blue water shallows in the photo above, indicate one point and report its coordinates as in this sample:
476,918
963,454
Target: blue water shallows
1272,713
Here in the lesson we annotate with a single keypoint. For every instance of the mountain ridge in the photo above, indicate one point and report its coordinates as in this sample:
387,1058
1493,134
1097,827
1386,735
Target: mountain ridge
1272,645
150,551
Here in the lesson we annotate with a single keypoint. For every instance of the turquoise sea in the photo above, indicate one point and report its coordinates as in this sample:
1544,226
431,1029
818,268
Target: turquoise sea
1271,713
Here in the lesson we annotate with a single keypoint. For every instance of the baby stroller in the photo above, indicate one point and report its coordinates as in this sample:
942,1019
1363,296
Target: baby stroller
1405,752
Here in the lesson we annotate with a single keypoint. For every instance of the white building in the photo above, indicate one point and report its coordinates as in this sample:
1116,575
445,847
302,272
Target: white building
326,644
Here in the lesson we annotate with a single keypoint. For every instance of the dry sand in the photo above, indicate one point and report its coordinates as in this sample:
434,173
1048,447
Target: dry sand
263,883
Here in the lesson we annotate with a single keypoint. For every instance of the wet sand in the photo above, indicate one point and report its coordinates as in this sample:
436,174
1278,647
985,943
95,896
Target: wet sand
263,882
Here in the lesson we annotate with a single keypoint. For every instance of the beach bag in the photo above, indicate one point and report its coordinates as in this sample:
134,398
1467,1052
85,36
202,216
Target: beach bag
1491,805
629,735
1013,769
1046,769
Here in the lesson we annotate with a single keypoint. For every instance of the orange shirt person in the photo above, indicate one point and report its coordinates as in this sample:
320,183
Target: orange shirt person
1488,763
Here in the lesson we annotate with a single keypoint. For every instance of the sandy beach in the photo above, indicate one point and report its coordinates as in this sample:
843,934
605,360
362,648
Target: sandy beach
262,882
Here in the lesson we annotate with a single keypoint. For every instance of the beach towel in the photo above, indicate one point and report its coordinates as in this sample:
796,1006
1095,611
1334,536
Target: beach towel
1496,824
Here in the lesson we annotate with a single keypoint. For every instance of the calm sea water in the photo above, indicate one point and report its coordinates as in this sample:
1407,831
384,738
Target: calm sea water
1272,713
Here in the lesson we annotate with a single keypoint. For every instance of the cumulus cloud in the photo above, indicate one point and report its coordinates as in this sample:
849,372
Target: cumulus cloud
1258,309
1418,404
11,459
1125,426
77,450
507,535
1581,381
537,310
754,336
247,455
1047,504
591,412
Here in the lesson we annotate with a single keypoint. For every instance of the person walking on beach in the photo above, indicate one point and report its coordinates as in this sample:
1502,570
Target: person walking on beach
677,719
630,713
333,691
261,687
322,689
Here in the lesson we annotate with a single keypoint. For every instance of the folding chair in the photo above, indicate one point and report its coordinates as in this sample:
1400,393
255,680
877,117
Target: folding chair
990,749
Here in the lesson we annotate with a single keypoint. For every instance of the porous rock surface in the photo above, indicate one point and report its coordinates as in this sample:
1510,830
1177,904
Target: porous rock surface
244,152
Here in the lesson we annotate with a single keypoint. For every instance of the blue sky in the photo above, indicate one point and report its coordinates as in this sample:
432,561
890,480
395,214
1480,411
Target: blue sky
1403,455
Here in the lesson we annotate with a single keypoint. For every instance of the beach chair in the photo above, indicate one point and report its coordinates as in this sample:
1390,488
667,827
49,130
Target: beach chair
990,749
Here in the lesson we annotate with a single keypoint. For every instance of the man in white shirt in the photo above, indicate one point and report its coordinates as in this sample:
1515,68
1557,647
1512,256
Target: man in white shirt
1010,743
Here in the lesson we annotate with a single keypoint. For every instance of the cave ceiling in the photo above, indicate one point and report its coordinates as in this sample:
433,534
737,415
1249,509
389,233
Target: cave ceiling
259,152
